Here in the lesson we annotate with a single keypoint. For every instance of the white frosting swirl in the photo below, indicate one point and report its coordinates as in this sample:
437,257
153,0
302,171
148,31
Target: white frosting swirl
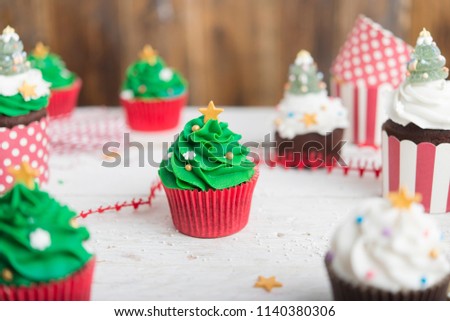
426,104
328,112
389,248
9,85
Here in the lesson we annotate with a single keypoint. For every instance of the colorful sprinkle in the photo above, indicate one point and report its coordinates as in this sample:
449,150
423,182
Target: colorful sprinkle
290,114
387,232
426,233
423,281
359,219
329,256
434,253
370,275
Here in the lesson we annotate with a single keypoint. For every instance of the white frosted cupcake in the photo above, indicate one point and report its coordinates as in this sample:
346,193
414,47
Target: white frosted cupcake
388,250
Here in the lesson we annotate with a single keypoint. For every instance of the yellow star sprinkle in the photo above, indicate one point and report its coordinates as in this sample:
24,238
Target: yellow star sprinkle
27,91
40,50
434,253
149,55
25,174
211,112
401,200
7,275
267,283
8,30
303,54
309,119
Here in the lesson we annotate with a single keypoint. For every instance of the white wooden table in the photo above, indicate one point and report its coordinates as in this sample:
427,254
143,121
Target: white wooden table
140,256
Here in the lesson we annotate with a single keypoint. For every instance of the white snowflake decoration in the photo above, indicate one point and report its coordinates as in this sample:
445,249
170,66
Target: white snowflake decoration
166,74
40,239
127,94
189,155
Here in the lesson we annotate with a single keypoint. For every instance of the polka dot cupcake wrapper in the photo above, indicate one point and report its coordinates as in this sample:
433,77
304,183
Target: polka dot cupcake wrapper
23,144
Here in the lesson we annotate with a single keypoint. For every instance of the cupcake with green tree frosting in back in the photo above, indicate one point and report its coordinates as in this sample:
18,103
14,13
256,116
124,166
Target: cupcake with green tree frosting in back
65,85
42,248
208,178
153,94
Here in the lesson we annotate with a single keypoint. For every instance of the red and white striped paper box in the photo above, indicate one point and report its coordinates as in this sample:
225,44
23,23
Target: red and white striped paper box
23,144
422,168
369,67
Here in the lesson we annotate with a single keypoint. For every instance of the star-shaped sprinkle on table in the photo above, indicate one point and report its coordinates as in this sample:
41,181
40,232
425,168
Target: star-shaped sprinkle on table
267,283
149,55
402,200
25,174
27,91
211,112
40,51
309,119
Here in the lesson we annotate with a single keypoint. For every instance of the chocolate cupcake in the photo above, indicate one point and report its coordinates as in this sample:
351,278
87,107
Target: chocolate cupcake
310,125
416,138
389,250
24,95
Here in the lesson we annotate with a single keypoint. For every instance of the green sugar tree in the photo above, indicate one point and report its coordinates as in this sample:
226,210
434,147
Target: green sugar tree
303,76
427,63
13,60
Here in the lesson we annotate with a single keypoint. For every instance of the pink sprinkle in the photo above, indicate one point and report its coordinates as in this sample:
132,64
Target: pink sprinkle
426,233
370,275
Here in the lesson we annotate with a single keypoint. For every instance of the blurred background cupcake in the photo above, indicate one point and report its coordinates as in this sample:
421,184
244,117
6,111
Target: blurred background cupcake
416,137
43,255
310,125
24,97
65,85
153,94
389,250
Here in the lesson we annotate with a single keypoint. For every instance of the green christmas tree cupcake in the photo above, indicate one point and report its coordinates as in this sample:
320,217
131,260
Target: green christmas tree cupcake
65,85
42,252
153,94
208,179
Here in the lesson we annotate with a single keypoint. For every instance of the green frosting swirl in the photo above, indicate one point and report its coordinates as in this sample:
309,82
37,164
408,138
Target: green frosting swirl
13,106
154,81
24,211
211,169
53,70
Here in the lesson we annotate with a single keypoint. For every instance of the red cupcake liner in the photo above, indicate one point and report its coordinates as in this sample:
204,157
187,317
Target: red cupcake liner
421,168
63,101
213,213
76,287
311,160
152,114
23,144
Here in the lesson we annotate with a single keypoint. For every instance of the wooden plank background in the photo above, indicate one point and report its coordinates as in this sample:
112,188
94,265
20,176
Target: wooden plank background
235,52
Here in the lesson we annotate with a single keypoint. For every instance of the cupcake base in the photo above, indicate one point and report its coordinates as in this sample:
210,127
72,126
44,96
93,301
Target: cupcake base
213,213
76,287
311,150
153,114
346,291
63,101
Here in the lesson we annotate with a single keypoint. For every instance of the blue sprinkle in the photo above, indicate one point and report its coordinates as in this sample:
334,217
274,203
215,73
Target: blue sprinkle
423,280
290,114
442,236
359,219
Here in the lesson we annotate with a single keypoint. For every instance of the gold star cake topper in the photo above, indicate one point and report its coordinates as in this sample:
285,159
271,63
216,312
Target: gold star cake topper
267,283
210,112
402,200
148,54
8,30
40,50
425,33
27,91
25,174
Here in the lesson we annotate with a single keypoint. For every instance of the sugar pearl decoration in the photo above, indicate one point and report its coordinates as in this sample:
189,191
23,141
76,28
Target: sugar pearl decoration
304,89
73,222
7,275
142,89
188,167
434,253
195,128
229,155
425,76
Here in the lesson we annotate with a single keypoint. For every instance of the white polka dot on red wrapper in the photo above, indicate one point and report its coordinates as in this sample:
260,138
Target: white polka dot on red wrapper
389,52
45,158
393,72
38,137
2,188
40,153
366,58
347,64
33,148
9,179
391,62
364,36
380,66
34,164
365,47
385,41
377,55
13,134
369,69
358,72
403,59
372,80
347,75
25,158
23,142
375,44
7,162
5,145
15,152
355,50
383,76
30,131
356,61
